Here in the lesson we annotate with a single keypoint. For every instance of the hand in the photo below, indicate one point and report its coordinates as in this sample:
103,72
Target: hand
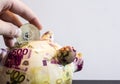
9,23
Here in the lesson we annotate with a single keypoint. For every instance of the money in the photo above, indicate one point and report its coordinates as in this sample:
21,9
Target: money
29,33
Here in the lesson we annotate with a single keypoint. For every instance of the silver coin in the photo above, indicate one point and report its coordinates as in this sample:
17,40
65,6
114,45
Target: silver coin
29,33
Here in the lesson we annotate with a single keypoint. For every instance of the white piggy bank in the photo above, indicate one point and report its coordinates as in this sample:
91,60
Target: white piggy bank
39,62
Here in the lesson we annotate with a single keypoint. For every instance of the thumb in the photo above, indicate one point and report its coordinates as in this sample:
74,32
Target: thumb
9,30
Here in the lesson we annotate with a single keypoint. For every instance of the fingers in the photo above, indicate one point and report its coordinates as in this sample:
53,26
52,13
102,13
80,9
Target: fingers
21,9
9,42
9,30
10,17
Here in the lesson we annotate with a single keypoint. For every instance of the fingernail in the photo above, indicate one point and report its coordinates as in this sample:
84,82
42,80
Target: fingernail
14,40
18,32
36,22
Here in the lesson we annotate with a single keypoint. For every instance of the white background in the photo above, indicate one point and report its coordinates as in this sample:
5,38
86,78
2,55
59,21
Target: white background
91,26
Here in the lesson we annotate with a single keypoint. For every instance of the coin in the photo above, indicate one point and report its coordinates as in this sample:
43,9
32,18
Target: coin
29,33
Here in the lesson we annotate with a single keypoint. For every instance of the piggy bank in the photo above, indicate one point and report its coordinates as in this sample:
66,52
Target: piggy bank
41,61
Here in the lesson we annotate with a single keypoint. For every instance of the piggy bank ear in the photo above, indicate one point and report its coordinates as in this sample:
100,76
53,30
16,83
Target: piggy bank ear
66,55
47,36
